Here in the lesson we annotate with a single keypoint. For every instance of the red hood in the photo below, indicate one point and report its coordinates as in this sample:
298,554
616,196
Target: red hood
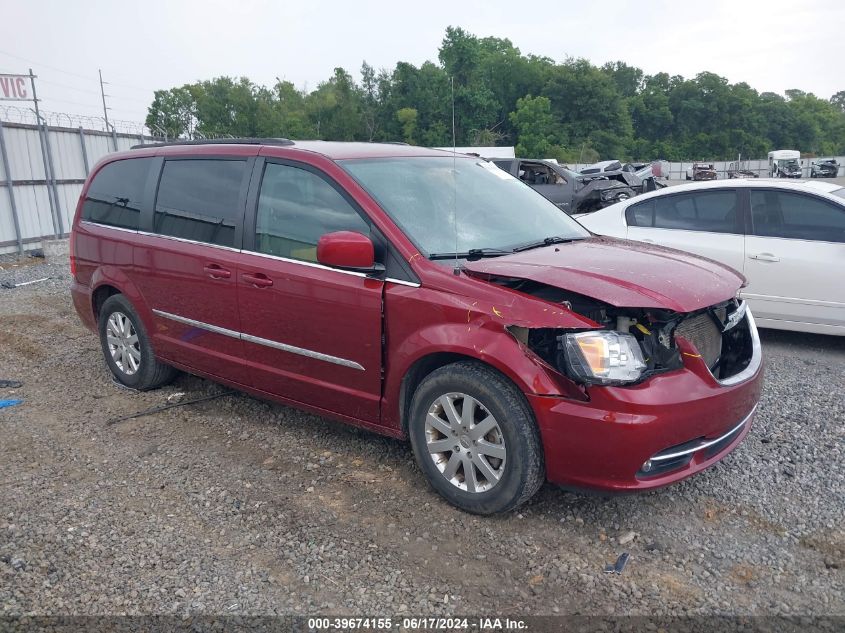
622,273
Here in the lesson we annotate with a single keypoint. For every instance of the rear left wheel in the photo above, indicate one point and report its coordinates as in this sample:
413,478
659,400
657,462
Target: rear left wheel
126,347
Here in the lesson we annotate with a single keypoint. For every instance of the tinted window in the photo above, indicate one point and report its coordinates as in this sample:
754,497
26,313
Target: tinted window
797,216
115,194
198,200
295,208
641,214
712,211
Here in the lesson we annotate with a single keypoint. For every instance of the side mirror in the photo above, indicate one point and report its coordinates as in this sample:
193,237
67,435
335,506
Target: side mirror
349,250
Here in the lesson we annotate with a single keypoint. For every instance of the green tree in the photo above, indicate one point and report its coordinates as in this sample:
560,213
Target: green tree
587,107
408,118
173,112
534,126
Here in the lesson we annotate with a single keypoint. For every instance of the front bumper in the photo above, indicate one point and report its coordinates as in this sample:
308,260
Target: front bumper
683,421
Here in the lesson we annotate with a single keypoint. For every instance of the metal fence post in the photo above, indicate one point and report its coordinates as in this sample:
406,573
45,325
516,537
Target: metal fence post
47,176
61,222
11,189
84,150
114,137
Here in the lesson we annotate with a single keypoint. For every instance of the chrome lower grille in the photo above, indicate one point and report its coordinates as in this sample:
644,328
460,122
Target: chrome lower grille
702,332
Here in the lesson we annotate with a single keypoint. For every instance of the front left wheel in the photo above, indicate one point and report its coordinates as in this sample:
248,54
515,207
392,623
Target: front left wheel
126,347
475,438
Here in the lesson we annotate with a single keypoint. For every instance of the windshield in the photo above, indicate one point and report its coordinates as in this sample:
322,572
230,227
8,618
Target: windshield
494,209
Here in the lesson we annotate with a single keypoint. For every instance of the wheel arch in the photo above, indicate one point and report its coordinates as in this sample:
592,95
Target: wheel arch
426,365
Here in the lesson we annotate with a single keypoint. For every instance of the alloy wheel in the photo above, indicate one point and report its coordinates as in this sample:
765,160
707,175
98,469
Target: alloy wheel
465,442
122,340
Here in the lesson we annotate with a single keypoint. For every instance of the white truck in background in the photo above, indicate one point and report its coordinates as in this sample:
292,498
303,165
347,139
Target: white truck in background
785,163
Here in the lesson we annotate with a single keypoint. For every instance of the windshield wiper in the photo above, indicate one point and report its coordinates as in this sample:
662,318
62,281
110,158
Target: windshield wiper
473,253
547,241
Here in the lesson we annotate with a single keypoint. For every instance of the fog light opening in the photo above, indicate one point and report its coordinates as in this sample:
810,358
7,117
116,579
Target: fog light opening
647,466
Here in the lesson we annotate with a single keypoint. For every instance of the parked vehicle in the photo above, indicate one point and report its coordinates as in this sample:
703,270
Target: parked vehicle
638,176
421,295
787,238
827,168
784,163
739,169
701,171
568,190
602,167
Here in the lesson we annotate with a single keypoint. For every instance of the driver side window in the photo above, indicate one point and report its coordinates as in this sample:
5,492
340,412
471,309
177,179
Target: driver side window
295,208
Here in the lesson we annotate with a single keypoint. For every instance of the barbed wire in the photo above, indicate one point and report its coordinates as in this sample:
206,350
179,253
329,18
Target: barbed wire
19,114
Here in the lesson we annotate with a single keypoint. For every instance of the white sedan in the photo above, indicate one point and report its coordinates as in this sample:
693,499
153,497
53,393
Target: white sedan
787,238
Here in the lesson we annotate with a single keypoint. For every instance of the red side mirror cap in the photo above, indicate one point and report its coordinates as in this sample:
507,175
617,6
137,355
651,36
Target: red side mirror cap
346,249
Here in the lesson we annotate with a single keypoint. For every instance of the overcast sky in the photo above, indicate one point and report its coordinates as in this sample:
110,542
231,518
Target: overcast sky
151,44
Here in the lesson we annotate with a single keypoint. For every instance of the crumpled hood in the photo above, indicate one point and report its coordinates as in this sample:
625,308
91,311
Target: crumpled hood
620,272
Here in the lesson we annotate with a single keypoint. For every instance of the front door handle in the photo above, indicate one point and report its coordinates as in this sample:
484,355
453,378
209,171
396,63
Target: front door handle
259,280
216,271
765,257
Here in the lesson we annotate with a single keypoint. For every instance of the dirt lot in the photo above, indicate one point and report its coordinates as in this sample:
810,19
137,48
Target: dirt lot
238,506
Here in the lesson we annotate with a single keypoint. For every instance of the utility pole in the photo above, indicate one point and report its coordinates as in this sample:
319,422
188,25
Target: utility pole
47,156
109,127
103,95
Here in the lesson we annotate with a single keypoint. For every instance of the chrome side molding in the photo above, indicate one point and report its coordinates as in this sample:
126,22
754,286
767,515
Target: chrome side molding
249,338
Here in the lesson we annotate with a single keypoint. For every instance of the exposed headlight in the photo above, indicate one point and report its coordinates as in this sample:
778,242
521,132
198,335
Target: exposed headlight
603,357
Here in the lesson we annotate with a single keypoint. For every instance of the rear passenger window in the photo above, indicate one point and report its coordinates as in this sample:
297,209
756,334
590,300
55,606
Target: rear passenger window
641,214
198,200
796,216
114,197
710,211
295,208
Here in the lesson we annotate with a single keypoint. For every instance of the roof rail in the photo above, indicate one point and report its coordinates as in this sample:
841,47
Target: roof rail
220,141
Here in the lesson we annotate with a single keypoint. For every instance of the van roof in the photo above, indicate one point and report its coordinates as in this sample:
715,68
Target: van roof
334,150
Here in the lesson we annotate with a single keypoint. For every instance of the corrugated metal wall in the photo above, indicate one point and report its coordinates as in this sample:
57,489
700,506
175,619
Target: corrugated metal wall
31,185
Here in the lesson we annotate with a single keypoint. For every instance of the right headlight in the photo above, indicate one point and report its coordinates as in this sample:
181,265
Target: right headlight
603,357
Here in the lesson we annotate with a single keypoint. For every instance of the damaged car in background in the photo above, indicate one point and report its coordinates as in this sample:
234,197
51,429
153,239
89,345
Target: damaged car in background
428,296
702,171
826,168
568,190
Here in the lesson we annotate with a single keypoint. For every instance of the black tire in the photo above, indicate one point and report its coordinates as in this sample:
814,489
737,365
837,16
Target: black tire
149,373
523,470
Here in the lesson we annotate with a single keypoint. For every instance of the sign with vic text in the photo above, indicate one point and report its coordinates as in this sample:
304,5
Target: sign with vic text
15,88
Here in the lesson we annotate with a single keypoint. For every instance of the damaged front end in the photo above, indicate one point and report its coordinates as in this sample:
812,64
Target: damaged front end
630,345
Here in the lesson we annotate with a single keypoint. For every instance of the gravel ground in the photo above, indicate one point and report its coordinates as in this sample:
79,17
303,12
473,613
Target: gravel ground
237,506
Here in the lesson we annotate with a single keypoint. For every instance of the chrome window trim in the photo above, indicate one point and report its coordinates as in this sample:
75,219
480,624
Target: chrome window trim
402,282
659,457
756,356
288,260
185,240
302,262
108,226
301,351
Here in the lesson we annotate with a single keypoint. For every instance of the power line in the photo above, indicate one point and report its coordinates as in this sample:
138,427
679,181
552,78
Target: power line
32,61
73,74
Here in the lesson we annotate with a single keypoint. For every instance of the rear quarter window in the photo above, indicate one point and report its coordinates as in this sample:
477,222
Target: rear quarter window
115,195
712,211
640,214
198,200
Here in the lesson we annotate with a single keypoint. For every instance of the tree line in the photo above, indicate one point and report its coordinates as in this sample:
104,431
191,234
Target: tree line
573,110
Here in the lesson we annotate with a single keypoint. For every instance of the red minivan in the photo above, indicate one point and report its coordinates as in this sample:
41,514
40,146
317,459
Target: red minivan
422,295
